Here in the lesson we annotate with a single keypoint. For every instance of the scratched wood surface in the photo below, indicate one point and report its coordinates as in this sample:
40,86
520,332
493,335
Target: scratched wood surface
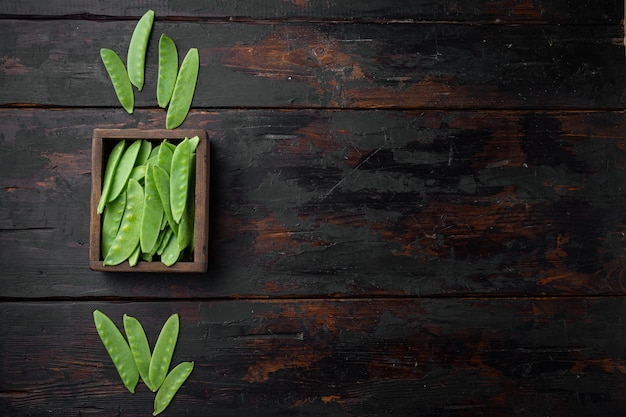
416,208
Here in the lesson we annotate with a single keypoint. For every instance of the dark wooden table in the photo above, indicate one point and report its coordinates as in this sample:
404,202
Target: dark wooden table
416,208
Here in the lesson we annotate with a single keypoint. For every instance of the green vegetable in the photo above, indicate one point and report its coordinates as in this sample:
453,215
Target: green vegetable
111,220
174,380
136,58
118,350
138,343
168,70
184,89
119,78
127,237
123,170
152,214
163,351
162,181
109,171
179,179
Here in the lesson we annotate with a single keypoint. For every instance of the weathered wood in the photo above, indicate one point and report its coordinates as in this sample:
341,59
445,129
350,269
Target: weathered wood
546,11
430,357
446,66
314,202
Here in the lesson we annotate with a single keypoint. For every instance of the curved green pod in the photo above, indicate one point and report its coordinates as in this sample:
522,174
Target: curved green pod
118,350
168,70
174,380
119,78
109,171
136,58
184,89
139,347
127,237
163,351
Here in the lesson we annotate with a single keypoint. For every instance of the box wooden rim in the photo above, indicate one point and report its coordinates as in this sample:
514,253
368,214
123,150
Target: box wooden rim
201,218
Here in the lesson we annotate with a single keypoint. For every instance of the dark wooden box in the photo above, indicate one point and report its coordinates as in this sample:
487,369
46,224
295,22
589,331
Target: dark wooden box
102,142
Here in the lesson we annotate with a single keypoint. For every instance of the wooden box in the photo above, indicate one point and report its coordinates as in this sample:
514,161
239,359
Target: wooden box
102,142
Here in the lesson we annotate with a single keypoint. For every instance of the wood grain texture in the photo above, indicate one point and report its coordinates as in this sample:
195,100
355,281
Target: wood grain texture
433,357
350,203
504,11
304,65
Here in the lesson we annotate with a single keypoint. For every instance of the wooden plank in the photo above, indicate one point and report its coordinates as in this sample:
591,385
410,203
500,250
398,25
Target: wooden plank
508,11
447,66
349,203
430,357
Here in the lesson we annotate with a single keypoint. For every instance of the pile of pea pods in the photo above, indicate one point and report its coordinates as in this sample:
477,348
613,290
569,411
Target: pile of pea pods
133,358
147,202
175,88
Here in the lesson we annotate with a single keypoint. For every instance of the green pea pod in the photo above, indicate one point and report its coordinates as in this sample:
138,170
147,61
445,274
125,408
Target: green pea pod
109,171
134,257
164,158
171,252
194,143
118,350
185,228
111,220
123,170
163,351
184,89
179,179
152,214
136,58
144,153
164,238
119,78
127,237
162,181
138,173
168,70
138,343
174,380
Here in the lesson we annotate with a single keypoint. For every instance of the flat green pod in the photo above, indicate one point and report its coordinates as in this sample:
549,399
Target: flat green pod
118,350
174,380
184,89
137,48
168,70
111,220
139,347
119,78
123,170
163,351
109,171
127,237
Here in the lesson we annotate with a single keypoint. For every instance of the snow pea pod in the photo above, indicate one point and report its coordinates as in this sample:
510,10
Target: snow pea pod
109,171
163,351
118,350
144,152
164,158
123,170
138,173
152,214
111,220
174,380
179,179
136,58
184,89
171,252
127,237
119,78
168,70
139,347
162,180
